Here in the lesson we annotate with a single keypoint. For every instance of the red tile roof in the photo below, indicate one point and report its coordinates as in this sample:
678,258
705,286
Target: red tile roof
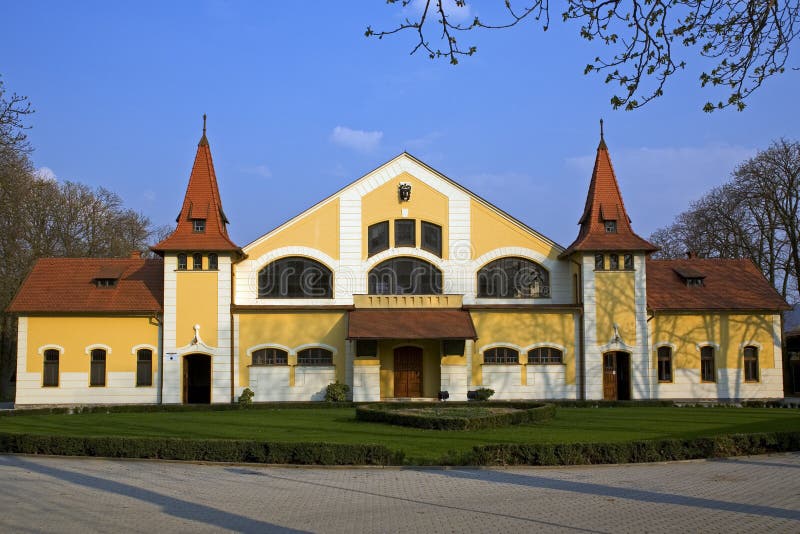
66,285
727,285
604,202
410,324
202,201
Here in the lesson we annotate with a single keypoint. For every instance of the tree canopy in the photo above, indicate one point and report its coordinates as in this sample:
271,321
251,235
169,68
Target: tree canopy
649,41
755,215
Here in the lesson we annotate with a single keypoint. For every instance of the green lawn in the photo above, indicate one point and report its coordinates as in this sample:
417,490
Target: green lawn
338,425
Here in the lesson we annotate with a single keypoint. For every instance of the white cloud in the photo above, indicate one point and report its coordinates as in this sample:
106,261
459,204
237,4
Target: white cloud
46,174
259,170
361,140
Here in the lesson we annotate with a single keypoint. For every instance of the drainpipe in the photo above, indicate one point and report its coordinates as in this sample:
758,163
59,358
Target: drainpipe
230,307
160,324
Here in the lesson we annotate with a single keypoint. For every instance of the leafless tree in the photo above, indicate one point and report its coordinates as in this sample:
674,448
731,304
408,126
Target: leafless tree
747,41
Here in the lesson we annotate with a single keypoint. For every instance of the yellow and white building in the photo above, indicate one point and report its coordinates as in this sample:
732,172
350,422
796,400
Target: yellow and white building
402,284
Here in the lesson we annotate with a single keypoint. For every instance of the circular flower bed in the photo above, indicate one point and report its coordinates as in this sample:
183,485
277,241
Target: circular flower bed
456,416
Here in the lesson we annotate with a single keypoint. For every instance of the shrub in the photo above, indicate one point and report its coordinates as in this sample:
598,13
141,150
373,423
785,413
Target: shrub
480,394
336,392
246,398
456,417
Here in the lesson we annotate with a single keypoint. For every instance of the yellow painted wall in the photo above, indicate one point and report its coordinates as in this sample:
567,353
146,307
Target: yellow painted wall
614,297
74,334
292,330
196,296
523,328
728,330
431,365
319,230
490,230
426,204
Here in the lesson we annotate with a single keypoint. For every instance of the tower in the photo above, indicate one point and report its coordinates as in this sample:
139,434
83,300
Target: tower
612,282
198,257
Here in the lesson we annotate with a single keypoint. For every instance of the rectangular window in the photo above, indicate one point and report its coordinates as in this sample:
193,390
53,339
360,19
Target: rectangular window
213,262
750,364
144,367
611,227
707,370
378,237
199,225
628,262
182,262
50,375
613,262
453,347
599,262
664,364
368,348
405,234
197,261
432,238
97,374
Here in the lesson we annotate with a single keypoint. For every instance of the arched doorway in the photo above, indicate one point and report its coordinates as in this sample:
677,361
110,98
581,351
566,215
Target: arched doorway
617,376
408,372
197,379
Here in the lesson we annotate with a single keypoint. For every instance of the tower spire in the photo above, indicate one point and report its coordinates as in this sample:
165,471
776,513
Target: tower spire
203,140
602,144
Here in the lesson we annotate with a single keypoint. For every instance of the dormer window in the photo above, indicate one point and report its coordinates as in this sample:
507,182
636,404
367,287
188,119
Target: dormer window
107,276
199,225
105,282
690,277
611,227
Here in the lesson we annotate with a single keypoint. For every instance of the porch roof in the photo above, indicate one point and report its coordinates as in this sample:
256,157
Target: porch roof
410,324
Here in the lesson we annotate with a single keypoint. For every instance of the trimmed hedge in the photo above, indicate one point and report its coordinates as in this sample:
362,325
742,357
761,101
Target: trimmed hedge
207,450
151,408
630,452
389,413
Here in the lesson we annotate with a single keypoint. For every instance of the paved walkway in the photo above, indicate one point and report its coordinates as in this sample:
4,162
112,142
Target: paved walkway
752,494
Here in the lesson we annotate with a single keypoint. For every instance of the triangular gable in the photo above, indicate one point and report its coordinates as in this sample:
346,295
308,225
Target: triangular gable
403,163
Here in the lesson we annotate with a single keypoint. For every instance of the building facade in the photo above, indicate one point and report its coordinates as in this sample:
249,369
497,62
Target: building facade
401,285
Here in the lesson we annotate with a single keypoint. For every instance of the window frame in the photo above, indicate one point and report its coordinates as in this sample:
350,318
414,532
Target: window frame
198,226
386,273
183,261
610,226
425,228
613,262
269,357
750,363
384,244
553,356
512,277
664,364
599,262
50,364
366,348
705,362
197,261
627,262
501,355
95,362
213,261
279,279
308,358
142,364
408,224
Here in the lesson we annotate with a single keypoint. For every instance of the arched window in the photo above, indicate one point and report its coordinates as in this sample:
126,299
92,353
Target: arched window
664,364
144,367
545,355
50,371
213,261
708,372
513,278
270,357
405,276
197,261
181,262
97,374
295,278
501,355
751,364
315,356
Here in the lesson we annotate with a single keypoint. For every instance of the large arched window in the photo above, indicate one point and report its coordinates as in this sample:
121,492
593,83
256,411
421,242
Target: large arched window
295,278
501,355
405,276
513,278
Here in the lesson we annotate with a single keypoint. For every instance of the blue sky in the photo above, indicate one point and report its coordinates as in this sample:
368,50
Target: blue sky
300,103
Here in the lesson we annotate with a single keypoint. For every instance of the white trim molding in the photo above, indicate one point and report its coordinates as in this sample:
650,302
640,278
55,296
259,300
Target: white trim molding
399,252
562,348
700,344
315,346
59,348
500,344
140,346
660,344
90,348
260,346
755,344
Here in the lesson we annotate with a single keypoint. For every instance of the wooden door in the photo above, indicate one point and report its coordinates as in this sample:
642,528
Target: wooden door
408,372
610,376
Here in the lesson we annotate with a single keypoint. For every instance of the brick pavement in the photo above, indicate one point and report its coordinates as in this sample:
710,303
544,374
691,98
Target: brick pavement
751,494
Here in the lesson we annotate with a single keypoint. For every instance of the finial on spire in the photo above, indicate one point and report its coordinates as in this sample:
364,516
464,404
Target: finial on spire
204,125
203,140
602,139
